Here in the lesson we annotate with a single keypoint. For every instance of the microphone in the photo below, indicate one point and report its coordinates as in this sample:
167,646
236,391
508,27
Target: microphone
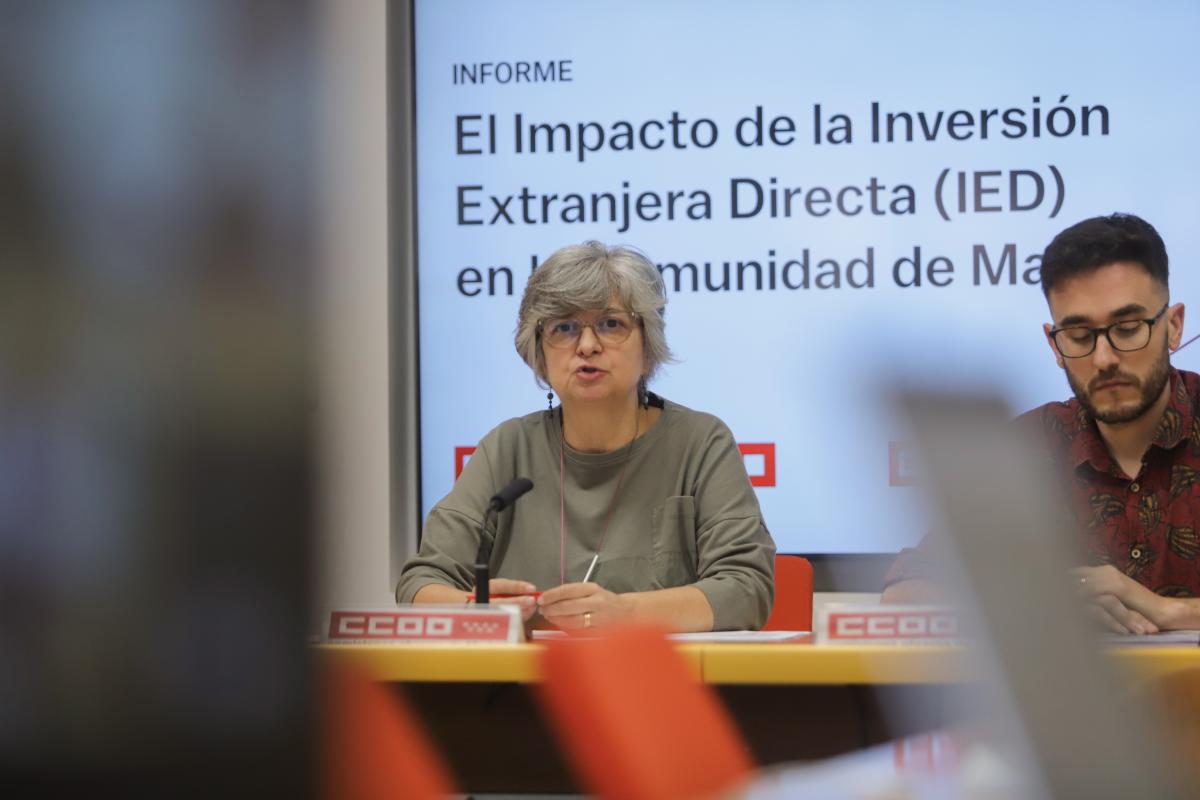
506,496
500,501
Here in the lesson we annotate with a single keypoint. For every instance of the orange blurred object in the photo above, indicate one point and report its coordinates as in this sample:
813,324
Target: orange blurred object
793,595
374,748
635,723
1176,697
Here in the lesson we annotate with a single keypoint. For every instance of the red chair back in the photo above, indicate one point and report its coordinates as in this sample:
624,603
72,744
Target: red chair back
634,721
793,595
372,746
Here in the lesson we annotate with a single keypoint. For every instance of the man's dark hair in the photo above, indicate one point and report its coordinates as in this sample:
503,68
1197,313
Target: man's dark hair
1100,241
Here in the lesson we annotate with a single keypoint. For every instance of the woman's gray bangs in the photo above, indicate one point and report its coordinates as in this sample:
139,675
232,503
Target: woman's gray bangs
585,277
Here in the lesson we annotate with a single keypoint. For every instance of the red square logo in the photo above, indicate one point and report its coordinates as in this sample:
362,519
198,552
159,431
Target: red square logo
767,451
461,454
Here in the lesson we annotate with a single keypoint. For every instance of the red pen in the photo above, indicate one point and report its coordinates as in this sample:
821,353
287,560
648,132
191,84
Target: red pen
500,596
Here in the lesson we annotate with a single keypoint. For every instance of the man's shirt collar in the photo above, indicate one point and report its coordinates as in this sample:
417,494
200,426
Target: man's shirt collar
1176,423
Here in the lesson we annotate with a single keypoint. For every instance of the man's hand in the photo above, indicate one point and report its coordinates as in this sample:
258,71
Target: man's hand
1123,605
1112,615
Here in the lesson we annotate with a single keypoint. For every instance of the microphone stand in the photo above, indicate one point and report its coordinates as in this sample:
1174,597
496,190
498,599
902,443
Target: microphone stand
482,558
500,501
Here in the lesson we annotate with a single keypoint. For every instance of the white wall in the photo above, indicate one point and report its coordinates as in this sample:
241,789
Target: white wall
354,545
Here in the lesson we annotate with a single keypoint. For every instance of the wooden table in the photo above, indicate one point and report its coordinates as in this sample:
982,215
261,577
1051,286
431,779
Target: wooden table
801,664
791,701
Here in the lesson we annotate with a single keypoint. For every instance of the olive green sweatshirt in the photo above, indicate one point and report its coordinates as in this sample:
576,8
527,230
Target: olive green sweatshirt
685,515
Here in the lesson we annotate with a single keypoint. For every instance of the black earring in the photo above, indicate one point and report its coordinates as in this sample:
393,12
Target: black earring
643,393
549,401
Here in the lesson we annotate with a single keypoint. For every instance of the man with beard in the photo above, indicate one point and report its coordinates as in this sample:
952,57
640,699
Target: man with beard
1127,447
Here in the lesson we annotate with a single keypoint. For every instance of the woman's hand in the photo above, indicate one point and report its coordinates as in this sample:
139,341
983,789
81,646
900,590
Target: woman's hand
519,593
574,606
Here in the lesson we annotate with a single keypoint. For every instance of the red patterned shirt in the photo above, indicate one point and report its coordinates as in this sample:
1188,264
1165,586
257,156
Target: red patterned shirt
1146,527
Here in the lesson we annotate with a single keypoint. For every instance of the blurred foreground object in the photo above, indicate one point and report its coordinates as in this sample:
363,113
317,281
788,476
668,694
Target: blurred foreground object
1176,697
1046,714
1053,704
155,382
374,748
635,722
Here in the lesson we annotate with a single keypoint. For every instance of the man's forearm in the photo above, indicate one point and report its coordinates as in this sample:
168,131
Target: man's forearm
1167,613
1179,613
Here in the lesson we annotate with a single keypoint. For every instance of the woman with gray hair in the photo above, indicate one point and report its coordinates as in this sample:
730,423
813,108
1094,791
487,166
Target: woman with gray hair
642,509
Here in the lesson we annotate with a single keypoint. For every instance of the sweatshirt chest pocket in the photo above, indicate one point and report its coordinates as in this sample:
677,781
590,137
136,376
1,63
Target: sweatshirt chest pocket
674,542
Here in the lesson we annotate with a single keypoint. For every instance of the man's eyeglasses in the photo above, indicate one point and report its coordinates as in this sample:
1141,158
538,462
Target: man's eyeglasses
1077,341
611,327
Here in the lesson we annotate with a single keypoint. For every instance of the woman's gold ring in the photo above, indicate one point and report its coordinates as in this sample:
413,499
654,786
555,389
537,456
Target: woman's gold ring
587,619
